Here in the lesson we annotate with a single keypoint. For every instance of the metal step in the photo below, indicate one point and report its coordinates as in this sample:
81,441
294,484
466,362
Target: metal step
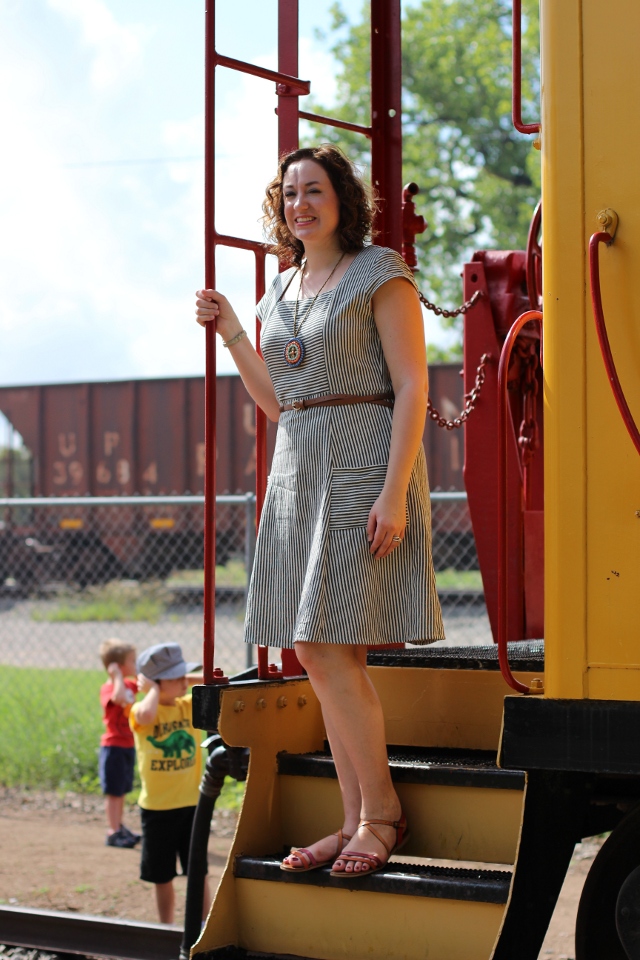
445,767
524,655
407,879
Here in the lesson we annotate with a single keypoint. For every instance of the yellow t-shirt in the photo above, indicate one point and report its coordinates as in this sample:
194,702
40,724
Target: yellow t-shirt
169,757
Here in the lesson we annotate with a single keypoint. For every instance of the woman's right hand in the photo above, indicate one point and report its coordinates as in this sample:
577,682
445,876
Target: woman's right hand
211,305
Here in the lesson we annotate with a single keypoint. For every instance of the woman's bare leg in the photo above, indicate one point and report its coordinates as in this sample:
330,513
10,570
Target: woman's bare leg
349,790
353,713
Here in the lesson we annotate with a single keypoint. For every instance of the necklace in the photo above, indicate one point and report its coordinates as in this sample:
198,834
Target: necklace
294,351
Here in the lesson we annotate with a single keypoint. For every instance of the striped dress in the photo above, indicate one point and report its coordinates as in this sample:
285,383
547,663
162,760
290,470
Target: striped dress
313,578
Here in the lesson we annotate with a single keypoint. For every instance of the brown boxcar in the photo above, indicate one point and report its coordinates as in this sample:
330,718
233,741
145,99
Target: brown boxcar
147,437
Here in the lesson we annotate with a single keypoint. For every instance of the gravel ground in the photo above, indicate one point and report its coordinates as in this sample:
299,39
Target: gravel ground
29,642
54,857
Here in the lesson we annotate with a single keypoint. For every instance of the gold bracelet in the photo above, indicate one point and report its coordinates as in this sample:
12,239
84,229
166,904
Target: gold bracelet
238,337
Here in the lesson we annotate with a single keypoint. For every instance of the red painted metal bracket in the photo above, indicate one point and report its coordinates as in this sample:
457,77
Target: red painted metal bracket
332,122
287,86
516,80
603,338
503,404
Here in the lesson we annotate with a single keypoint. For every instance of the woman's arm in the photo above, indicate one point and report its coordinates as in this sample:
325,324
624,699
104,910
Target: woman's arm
211,305
398,318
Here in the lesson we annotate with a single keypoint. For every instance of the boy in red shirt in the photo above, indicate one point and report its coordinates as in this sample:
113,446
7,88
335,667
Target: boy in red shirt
117,752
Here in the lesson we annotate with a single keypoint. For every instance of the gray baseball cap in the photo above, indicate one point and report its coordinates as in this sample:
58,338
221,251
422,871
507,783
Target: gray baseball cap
164,661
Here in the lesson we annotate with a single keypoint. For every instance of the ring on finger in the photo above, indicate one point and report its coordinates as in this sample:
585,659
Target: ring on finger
396,539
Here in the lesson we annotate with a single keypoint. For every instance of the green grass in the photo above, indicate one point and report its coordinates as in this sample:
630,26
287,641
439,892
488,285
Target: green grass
451,579
50,727
231,795
233,574
129,601
100,611
120,600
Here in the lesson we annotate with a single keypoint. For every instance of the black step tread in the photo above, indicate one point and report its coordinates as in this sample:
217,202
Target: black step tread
527,655
408,879
434,765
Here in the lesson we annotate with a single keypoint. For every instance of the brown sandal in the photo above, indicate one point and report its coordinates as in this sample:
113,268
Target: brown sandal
374,862
308,859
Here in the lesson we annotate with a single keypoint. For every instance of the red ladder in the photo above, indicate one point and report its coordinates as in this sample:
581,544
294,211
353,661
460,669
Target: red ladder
385,133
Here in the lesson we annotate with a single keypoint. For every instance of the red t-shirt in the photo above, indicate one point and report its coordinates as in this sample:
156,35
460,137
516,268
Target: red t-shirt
115,717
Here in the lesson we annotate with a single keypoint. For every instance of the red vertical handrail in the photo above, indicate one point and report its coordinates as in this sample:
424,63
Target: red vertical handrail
261,443
288,141
386,120
516,77
288,85
503,406
603,337
208,650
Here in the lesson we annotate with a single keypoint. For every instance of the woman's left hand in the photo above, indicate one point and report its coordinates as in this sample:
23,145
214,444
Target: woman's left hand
387,524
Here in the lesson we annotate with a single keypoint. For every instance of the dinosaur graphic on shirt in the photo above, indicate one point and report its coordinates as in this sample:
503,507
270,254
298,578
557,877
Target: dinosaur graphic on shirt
175,743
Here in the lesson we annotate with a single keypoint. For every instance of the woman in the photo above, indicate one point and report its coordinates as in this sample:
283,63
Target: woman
343,558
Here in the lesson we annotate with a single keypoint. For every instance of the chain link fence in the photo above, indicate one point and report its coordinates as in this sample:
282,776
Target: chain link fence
76,571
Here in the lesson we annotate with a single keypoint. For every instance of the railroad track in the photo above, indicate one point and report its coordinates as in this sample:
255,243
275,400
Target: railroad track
73,933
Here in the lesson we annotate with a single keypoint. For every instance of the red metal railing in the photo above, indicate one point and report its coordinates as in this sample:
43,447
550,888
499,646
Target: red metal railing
503,402
386,152
603,338
516,80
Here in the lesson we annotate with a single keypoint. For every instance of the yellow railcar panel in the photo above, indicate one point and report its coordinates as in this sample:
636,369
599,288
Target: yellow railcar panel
353,925
612,153
564,338
443,708
447,822
591,145
614,682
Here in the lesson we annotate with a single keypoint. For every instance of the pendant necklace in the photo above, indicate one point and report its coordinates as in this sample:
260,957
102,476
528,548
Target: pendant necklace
294,351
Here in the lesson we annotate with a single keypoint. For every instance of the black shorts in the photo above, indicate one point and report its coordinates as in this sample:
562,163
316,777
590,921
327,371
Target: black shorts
115,767
166,835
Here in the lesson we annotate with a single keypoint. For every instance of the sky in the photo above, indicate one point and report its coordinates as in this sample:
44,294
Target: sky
101,177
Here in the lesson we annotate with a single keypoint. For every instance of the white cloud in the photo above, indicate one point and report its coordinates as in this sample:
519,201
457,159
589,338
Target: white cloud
98,265
115,46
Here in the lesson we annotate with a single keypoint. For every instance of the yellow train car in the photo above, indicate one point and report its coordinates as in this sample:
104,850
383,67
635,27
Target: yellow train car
498,786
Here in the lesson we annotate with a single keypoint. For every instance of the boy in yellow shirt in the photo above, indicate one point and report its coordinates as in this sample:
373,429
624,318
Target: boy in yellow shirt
170,763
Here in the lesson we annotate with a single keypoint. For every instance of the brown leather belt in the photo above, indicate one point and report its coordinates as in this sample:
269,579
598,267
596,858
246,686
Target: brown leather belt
338,400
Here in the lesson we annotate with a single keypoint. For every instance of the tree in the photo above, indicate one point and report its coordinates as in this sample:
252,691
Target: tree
479,180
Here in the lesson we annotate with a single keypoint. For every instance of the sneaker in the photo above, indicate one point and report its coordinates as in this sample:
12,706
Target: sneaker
119,839
136,837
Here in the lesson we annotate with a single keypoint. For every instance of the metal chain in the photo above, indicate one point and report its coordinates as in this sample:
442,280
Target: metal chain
441,312
470,399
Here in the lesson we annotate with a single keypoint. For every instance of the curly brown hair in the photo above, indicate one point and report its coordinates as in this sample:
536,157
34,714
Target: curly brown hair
357,203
